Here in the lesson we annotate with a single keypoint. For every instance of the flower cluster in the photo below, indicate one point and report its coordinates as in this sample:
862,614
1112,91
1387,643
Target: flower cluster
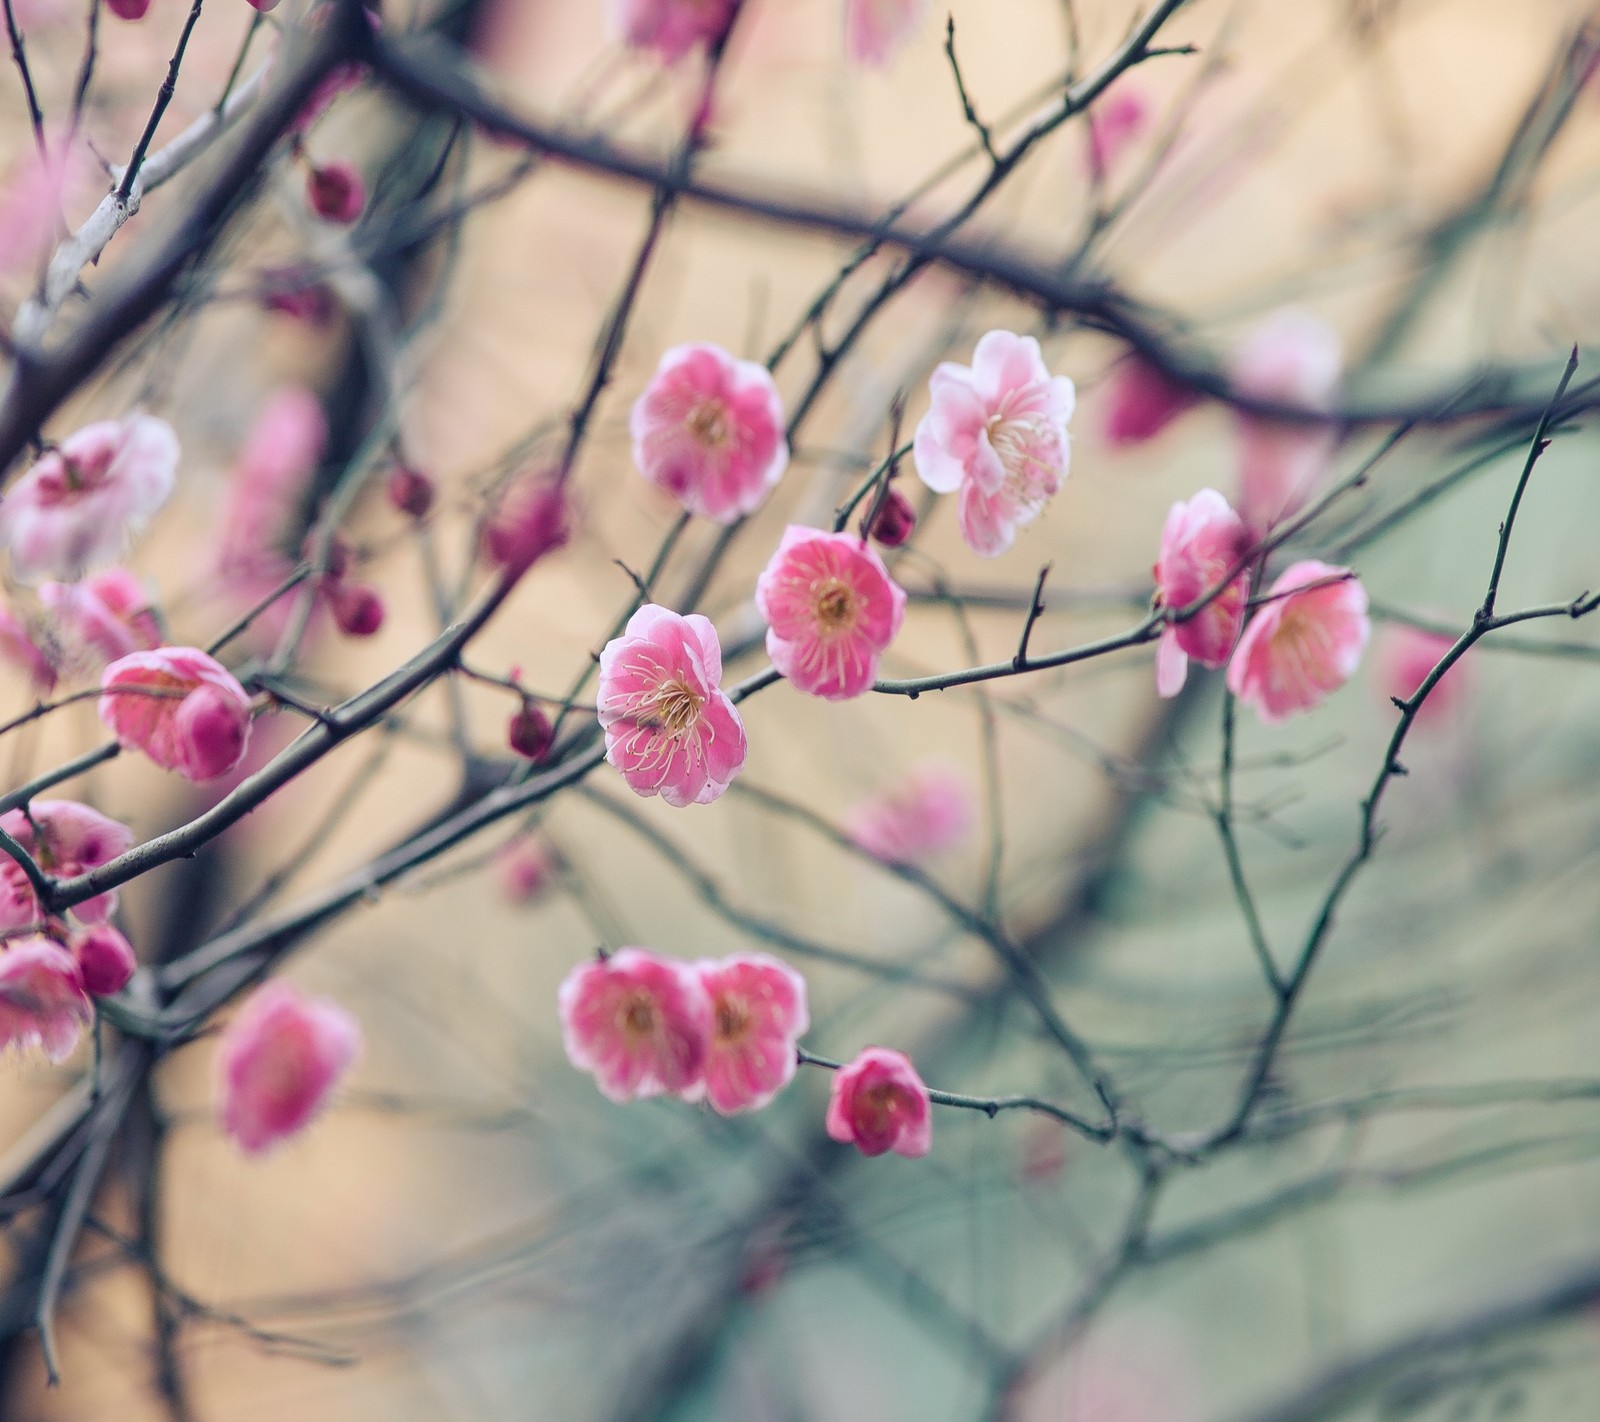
724,1032
51,964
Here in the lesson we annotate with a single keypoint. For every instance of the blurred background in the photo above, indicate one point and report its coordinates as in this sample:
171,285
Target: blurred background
472,1230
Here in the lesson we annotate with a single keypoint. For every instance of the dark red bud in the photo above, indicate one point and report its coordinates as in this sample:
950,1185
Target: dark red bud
410,491
895,521
357,609
530,733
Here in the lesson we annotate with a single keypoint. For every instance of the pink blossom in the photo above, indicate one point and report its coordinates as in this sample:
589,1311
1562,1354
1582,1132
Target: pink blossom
670,729
104,617
1301,646
709,430
532,517
65,839
671,27
1406,658
1203,541
1141,402
1291,357
267,483
105,960
42,1001
758,1014
879,1103
76,507
928,812
336,191
640,1023
876,31
1115,122
179,706
831,609
28,651
525,868
278,1062
33,195
997,431
134,9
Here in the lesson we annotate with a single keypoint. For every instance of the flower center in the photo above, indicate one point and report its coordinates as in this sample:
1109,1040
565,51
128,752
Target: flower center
834,603
708,422
637,1015
676,707
1015,441
732,1018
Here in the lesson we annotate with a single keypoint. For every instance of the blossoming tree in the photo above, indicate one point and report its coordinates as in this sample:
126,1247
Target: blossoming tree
774,761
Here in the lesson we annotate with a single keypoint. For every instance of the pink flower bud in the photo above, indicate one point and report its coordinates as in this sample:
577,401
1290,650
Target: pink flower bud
278,1062
1202,541
129,9
263,5
357,609
895,520
530,732
180,707
105,960
336,191
879,1103
531,519
409,490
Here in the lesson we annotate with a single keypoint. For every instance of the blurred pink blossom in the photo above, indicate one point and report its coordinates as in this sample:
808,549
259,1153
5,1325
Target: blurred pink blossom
42,1001
638,1022
525,868
1115,121
879,1103
1301,646
267,485
278,1062
1140,402
104,617
929,812
1201,542
29,651
532,517
1406,656
105,959
875,31
78,505
1295,358
831,610
997,432
179,706
709,430
671,27
669,727
136,9
758,1014
65,839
